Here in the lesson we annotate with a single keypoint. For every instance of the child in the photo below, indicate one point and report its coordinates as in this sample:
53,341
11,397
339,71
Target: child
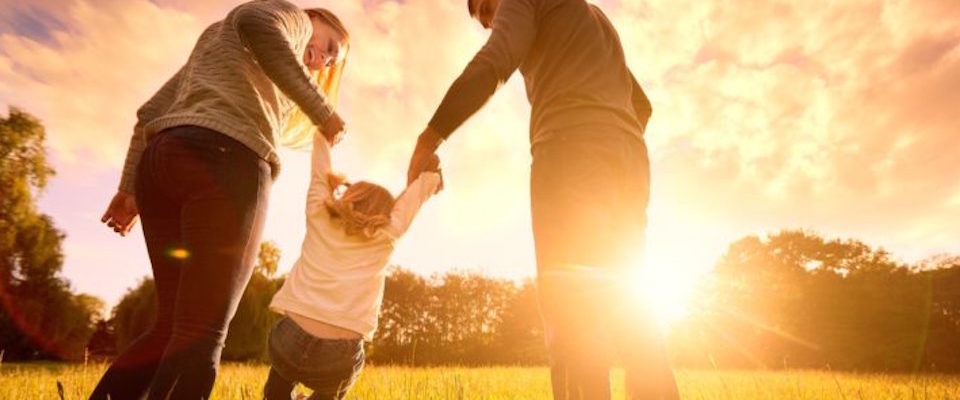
331,298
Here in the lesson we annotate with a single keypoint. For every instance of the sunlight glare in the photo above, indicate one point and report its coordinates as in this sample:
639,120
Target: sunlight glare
666,284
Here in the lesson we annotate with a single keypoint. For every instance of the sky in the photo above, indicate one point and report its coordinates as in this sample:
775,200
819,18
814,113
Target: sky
839,117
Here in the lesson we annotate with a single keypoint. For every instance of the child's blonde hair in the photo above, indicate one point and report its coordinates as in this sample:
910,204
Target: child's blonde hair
363,209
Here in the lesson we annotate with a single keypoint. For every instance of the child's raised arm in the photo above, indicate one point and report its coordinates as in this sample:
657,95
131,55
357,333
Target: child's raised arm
320,171
410,201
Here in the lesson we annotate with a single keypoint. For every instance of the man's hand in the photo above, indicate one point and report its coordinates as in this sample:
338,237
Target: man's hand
424,157
333,129
122,213
433,165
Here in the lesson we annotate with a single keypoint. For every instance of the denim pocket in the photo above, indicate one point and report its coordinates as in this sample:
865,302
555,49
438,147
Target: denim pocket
333,367
334,354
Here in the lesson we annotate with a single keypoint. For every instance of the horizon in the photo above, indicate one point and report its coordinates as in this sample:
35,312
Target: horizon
846,130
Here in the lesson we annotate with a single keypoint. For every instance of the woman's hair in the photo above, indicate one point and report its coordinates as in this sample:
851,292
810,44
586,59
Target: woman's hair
363,209
299,131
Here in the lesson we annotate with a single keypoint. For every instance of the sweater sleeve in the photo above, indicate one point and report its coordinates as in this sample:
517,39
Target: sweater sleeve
641,104
265,29
408,204
152,109
320,190
514,31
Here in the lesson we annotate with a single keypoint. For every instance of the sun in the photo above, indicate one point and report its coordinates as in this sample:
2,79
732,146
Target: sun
665,284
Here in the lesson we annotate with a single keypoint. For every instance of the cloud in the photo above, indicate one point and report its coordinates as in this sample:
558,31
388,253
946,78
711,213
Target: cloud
86,75
835,116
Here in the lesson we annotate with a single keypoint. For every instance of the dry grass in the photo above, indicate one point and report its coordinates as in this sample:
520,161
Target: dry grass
241,381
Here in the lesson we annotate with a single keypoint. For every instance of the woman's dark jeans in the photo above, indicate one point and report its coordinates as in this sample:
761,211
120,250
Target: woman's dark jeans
202,198
326,366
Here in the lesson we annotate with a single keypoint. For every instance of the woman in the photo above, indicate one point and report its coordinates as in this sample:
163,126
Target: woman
199,168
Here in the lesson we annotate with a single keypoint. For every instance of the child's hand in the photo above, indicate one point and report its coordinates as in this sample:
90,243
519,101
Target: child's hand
433,165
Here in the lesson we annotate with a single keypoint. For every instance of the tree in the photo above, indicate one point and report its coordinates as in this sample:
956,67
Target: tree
404,323
467,312
103,342
39,315
135,313
798,300
268,259
519,336
457,318
942,350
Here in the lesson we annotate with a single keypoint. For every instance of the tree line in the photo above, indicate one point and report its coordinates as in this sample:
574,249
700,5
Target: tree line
797,300
792,299
788,300
454,318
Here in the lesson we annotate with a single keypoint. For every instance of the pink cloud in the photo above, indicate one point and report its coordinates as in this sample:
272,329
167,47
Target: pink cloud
767,114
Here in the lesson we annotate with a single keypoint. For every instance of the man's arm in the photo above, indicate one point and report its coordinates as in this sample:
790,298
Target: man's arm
514,30
641,104
263,27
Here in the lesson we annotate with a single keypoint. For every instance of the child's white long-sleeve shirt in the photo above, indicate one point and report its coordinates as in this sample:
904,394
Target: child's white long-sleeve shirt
339,279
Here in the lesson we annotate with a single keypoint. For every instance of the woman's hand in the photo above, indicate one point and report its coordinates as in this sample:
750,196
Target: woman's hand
121,214
333,129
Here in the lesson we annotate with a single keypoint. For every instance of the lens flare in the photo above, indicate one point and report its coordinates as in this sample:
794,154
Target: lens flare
664,288
178,254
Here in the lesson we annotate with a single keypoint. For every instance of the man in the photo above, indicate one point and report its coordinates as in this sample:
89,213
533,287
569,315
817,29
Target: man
589,184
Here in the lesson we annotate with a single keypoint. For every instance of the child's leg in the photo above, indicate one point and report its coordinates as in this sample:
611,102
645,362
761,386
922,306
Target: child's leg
285,347
277,387
335,366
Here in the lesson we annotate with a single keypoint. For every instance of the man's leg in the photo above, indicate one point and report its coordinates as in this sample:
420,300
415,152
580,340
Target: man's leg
639,340
574,181
645,359
577,343
589,195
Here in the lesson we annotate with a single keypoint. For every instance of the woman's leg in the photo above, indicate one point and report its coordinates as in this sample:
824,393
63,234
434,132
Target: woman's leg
130,373
225,188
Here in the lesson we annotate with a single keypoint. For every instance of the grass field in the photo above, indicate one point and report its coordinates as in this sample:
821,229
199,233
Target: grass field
239,381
